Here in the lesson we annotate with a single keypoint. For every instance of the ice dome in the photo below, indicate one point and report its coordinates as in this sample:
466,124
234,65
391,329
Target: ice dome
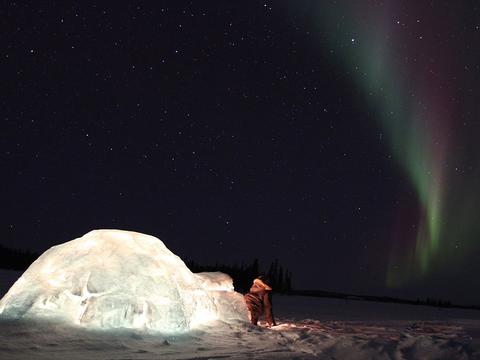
115,278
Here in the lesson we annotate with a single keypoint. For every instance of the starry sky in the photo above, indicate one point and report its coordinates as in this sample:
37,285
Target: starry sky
339,137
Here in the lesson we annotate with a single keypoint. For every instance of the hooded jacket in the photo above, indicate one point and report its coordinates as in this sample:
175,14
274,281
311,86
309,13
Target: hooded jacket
259,301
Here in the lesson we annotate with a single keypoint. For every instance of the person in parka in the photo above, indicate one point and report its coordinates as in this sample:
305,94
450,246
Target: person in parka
259,301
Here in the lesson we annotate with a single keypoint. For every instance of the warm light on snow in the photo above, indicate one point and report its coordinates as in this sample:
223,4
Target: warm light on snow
307,328
114,278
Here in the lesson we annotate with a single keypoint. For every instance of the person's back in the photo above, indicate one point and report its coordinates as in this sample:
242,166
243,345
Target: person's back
259,301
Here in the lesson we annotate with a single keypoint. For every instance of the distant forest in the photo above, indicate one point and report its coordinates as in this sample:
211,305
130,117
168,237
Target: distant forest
15,259
279,277
242,275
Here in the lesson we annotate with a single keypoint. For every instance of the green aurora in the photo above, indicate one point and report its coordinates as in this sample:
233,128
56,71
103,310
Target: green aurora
387,63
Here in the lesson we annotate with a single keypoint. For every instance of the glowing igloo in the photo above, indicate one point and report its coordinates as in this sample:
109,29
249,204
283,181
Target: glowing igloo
114,278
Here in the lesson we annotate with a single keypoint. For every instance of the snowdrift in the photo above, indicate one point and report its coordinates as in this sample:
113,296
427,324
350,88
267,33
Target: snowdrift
114,278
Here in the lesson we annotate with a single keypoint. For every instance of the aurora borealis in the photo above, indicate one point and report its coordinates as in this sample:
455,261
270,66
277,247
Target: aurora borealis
402,57
339,137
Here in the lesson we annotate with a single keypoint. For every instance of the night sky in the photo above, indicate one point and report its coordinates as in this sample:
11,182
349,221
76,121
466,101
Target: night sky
340,137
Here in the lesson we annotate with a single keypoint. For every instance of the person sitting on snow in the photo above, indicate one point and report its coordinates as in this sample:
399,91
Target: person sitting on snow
259,301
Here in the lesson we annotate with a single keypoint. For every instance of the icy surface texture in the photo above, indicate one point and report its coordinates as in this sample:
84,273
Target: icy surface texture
114,278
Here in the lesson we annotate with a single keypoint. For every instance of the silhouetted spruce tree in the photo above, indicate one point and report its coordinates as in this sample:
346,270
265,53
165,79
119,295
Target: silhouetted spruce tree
280,280
16,259
288,281
243,275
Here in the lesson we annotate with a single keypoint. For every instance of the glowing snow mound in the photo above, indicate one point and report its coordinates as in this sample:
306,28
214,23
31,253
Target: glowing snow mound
114,278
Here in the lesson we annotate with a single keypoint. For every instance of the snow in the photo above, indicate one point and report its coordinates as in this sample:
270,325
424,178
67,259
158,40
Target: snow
121,279
308,327
425,333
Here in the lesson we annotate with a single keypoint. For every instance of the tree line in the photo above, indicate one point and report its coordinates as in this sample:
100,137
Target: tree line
279,277
15,259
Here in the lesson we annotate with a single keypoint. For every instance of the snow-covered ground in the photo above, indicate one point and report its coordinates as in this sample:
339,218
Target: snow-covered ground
309,328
